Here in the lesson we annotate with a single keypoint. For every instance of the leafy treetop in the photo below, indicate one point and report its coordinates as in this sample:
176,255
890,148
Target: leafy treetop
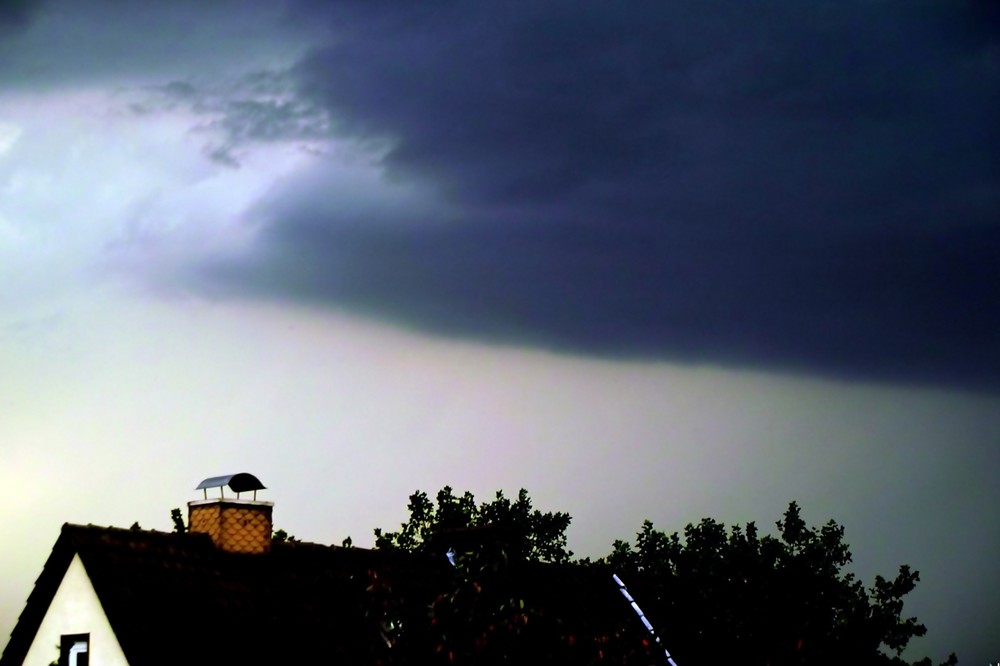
737,597
528,534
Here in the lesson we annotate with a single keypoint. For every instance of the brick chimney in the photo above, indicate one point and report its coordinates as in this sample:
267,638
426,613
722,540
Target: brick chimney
235,525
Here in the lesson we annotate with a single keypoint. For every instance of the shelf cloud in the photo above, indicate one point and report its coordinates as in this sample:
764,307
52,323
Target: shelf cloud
802,187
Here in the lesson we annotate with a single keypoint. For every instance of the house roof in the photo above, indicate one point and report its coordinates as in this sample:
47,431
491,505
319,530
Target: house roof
174,598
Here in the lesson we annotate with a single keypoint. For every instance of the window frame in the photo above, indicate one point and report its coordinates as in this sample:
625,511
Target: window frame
70,650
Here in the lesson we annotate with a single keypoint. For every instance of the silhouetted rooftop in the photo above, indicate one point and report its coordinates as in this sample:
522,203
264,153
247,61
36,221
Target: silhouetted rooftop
173,597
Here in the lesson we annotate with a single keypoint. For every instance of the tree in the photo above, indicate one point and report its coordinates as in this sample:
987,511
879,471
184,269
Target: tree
488,606
719,596
522,533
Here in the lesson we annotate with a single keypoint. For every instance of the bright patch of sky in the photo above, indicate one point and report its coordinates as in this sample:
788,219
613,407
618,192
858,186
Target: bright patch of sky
87,183
9,135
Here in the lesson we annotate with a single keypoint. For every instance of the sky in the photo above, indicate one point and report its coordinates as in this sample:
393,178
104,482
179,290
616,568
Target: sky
647,260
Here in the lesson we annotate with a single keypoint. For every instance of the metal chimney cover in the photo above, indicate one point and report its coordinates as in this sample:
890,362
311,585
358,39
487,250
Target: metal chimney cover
238,483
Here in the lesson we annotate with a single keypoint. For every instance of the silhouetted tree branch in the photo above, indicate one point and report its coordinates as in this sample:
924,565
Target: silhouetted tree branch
178,519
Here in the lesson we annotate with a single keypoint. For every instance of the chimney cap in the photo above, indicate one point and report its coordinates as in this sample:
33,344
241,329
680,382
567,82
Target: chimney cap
238,483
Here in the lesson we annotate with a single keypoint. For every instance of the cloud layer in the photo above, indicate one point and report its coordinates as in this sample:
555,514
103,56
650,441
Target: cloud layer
809,187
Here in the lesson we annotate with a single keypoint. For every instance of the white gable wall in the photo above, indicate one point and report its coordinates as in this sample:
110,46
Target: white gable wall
75,609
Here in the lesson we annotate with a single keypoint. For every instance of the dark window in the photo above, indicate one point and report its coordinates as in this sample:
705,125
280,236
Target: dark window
74,650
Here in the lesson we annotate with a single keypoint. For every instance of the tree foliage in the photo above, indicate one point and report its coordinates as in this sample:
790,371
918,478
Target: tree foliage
524,533
281,536
734,596
713,594
177,518
489,605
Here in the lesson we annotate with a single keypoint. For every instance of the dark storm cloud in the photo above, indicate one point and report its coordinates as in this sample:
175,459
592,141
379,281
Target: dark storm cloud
781,184
52,43
16,13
